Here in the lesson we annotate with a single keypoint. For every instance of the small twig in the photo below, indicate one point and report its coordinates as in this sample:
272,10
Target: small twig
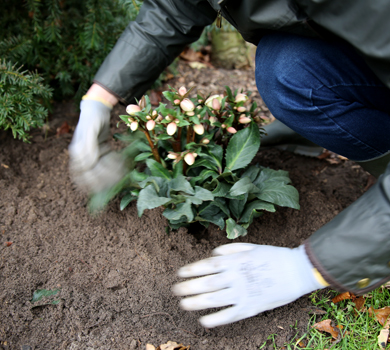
165,313
139,254
85,263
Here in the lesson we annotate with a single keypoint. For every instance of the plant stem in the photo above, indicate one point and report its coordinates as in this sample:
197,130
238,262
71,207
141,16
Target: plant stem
153,148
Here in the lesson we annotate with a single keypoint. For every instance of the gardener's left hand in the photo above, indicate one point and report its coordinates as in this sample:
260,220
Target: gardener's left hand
251,278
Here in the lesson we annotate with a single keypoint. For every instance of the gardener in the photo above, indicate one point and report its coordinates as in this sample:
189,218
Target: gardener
323,69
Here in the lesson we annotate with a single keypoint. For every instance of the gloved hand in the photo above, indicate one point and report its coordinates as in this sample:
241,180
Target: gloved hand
253,278
92,165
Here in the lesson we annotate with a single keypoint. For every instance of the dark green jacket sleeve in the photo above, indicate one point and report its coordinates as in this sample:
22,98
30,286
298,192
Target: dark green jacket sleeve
150,43
352,252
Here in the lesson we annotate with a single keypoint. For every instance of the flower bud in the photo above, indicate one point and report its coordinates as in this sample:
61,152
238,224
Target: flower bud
154,114
241,109
213,120
148,117
200,101
223,126
177,121
199,107
244,119
209,101
176,102
190,113
134,126
172,155
182,91
168,117
159,118
205,141
171,128
189,158
199,129
231,130
216,104
187,105
241,98
150,125
132,109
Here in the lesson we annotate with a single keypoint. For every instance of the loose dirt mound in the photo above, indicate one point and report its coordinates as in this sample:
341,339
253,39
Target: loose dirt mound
114,272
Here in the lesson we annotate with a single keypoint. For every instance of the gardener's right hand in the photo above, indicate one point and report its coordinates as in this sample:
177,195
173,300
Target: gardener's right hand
92,165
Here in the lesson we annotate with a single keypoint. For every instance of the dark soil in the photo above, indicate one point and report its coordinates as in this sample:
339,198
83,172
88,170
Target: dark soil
115,271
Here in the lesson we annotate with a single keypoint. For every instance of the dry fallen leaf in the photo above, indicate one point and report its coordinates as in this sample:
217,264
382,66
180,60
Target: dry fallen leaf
381,315
197,65
155,97
63,129
343,296
382,338
8,244
359,303
171,345
327,326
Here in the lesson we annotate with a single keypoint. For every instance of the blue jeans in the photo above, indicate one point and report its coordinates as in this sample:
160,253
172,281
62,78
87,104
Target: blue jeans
325,92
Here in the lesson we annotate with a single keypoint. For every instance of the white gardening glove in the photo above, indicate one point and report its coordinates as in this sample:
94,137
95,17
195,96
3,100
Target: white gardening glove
252,278
92,165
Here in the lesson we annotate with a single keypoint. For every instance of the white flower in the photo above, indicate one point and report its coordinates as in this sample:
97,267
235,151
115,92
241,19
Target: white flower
134,126
231,130
150,125
171,128
209,101
182,91
241,97
132,109
172,155
189,158
199,129
244,119
187,105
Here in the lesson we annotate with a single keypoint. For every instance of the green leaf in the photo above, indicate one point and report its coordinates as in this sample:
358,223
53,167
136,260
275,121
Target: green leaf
143,156
180,184
243,186
211,213
125,118
236,206
252,172
41,293
178,169
157,169
205,163
203,176
271,175
149,199
242,147
201,194
279,194
234,230
251,208
126,200
180,210
213,153
136,176
229,93
222,189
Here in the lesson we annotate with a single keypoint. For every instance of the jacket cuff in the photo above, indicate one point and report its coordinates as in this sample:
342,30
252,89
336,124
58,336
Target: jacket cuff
352,252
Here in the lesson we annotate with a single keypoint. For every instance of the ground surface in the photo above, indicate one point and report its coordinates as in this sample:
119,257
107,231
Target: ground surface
115,271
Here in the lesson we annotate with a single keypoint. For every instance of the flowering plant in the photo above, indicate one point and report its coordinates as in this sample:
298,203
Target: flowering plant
197,157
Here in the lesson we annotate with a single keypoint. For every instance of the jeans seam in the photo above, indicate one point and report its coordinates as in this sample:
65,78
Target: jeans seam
348,134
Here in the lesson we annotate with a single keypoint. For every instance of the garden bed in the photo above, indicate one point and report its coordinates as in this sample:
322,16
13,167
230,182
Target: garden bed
114,271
